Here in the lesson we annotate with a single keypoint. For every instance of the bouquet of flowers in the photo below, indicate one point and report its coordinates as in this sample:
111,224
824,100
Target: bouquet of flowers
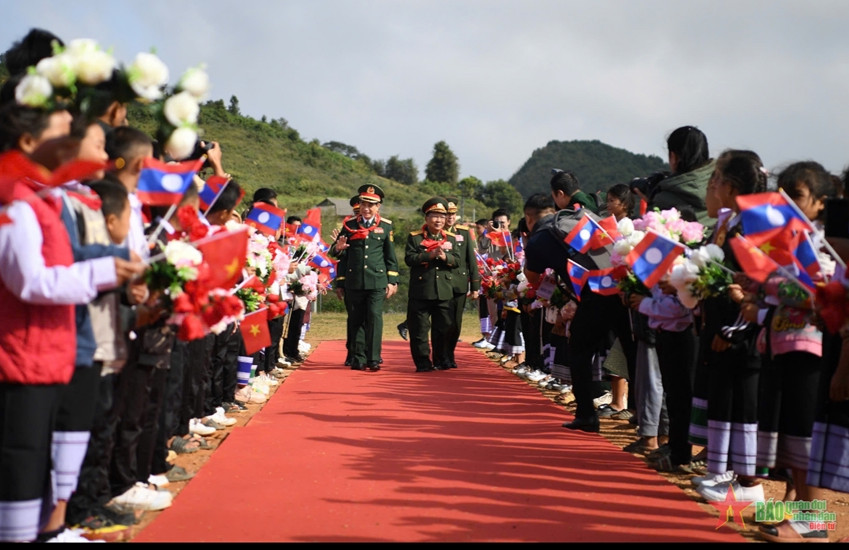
700,275
664,222
832,304
307,286
181,281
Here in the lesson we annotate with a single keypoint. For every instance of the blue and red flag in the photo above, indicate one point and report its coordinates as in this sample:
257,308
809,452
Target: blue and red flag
578,276
310,226
805,256
765,214
586,235
651,259
265,218
603,281
320,261
212,187
162,184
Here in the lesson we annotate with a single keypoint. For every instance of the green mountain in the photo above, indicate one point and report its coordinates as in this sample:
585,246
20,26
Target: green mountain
598,166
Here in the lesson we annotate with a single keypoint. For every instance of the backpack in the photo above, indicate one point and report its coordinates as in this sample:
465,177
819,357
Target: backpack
564,221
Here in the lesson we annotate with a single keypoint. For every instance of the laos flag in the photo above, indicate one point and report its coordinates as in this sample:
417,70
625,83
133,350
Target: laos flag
651,259
586,234
602,281
577,275
162,184
310,227
212,187
265,218
765,214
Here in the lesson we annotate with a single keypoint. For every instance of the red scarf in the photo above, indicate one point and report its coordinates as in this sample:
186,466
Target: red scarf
363,232
431,244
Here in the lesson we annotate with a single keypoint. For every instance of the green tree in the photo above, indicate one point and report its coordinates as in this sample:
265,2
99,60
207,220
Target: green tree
402,171
443,165
500,194
233,109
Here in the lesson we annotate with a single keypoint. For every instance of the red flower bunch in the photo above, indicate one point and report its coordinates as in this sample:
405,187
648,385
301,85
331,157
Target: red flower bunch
276,306
193,228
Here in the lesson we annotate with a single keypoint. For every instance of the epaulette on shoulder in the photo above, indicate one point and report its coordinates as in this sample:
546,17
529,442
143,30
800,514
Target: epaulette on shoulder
387,221
450,234
461,226
419,232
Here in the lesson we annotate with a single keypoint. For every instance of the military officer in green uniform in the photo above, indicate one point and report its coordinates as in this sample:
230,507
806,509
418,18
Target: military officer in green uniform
466,276
431,253
367,274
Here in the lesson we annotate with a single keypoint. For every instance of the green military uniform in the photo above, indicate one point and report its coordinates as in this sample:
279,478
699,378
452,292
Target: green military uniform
466,278
430,293
358,331
365,269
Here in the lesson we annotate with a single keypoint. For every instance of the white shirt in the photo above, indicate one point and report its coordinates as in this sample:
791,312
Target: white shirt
23,272
136,239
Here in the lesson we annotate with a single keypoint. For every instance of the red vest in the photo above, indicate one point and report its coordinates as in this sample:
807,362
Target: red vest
38,342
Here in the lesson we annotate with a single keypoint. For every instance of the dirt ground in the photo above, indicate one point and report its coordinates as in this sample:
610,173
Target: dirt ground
620,433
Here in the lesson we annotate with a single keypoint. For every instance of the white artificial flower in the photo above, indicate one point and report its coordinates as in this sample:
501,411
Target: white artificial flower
682,274
714,252
181,109
635,238
181,143
94,67
233,225
81,47
622,247
182,254
700,257
147,76
625,226
196,82
33,90
58,69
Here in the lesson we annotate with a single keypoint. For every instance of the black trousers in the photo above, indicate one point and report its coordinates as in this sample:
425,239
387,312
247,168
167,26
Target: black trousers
223,363
293,333
456,305
428,317
588,335
195,380
365,315
532,332
677,353
272,353
131,399
152,437
93,488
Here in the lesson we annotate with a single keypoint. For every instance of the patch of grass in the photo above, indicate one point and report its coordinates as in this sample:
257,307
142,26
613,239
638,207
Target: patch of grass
330,325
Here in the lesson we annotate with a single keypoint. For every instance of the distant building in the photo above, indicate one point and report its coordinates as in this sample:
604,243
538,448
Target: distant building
335,208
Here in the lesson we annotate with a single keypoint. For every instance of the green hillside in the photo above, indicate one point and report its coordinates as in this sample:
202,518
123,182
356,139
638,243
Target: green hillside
598,166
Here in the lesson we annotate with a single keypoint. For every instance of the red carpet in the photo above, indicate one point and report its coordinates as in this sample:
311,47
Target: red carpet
470,454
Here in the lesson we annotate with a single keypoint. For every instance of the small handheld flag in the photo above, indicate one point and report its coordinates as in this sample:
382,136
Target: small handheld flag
254,328
652,257
162,184
578,276
265,218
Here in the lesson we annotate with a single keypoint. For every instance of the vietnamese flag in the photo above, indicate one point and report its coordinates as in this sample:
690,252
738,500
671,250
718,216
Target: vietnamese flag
255,332
756,264
162,184
225,252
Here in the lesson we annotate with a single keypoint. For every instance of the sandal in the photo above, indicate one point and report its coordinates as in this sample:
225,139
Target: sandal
624,414
183,445
201,441
792,531
664,464
658,453
606,411
638,446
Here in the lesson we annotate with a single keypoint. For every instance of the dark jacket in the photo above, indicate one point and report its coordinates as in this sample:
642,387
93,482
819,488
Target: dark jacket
431,279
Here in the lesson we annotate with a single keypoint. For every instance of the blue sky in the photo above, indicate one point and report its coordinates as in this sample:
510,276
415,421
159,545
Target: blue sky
497,79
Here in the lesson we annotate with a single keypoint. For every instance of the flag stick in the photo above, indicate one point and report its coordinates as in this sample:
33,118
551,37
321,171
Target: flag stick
826,244
215,198
159,226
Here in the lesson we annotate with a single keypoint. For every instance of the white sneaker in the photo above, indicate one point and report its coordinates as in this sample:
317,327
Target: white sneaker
605,399
249,395
283,362
487,346
536,376
259,385
545,381
565,388
71,535
221,418
480,344
158,480
303,347
717,493
197,427
709,480
141,497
